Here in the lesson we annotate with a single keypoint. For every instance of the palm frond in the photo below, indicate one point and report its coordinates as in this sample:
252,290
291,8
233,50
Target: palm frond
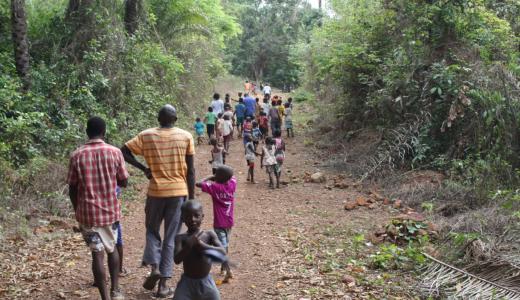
440,278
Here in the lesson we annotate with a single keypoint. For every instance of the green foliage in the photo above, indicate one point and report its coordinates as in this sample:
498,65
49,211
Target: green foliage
390,256
83,63
271,30
448,69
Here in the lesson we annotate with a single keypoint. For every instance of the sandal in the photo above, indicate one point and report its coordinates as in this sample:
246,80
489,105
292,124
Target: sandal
169,292
117,295
151,281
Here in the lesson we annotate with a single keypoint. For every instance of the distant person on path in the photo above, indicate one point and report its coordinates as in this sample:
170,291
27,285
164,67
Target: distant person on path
218,155
263,124
217,104
279,152
250,104
240,113
95,170
267,91
199,130
221,186
190,248
265,105
288,120
248,127
247,87
251,155
168,152
268,160
219,128
227,131
274,117
210,119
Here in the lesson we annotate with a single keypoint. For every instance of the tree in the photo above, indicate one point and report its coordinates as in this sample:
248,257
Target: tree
132,13
21,44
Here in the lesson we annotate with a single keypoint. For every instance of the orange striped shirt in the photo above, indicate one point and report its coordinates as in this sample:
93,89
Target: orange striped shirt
165,150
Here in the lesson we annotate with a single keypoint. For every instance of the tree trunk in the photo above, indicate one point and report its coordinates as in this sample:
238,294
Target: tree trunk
21,45
132,12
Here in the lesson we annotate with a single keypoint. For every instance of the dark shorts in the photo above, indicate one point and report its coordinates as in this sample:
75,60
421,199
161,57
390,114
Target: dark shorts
210,129
240,121
201,288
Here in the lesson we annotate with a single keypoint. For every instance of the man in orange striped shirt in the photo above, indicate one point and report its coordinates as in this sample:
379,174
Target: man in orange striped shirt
168,152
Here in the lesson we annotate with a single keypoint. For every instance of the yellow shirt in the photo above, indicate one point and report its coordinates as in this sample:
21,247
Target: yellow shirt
165,150
281,110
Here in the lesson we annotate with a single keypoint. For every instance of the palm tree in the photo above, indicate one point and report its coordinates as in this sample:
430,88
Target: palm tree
21,44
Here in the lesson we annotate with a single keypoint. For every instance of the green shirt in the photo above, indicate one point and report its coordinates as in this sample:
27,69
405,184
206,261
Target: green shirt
210,118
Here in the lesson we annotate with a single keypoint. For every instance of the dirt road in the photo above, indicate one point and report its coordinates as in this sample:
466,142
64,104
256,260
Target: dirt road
291,243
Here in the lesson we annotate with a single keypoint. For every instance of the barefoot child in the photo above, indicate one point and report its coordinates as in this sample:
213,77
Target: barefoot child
250,157
190,248
256,134
210,120
263,124
199,130
218,155
218,127
279,153
221,186
240,113
288,120
227,131
268,159
248,128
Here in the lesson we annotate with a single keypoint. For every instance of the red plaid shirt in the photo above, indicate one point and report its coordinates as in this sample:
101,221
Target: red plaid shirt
95,168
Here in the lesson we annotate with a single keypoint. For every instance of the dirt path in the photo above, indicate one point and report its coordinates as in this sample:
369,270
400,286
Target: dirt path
291,243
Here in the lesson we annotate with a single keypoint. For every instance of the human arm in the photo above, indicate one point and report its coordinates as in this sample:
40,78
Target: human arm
130,158
191,176
207,178
73,195
212,244
262,159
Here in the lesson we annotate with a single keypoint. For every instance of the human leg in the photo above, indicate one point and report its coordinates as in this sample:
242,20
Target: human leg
98,270
172,222
154,214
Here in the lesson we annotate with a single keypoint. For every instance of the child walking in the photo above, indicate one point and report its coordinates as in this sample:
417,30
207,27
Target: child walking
218,155
263,124
250,157
256,134
218,127
210,120
248,128
190,249
227,131
268,159
288,120
221,186
199,130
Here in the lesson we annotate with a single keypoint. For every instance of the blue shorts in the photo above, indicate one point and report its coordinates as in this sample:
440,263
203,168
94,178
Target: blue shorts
223,235
200,288
119,235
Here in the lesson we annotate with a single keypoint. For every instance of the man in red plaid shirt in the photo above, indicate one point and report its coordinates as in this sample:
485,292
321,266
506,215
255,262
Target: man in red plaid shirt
94,171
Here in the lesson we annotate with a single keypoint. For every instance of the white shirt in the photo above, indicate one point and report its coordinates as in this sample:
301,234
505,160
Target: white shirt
218,106
266,107
267,90
227,127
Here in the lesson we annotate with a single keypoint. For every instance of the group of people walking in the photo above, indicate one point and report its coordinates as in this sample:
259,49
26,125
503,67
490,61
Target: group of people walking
97,172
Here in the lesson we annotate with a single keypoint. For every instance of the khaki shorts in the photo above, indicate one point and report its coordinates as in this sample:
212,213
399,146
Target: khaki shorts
100,238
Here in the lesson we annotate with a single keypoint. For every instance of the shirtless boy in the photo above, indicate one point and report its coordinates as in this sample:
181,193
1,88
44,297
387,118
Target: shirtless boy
196,282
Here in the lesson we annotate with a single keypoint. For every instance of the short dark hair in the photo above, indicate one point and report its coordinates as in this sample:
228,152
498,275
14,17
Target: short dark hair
191,205
197,119
226,117
277,133
96,126
210,109
216,96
